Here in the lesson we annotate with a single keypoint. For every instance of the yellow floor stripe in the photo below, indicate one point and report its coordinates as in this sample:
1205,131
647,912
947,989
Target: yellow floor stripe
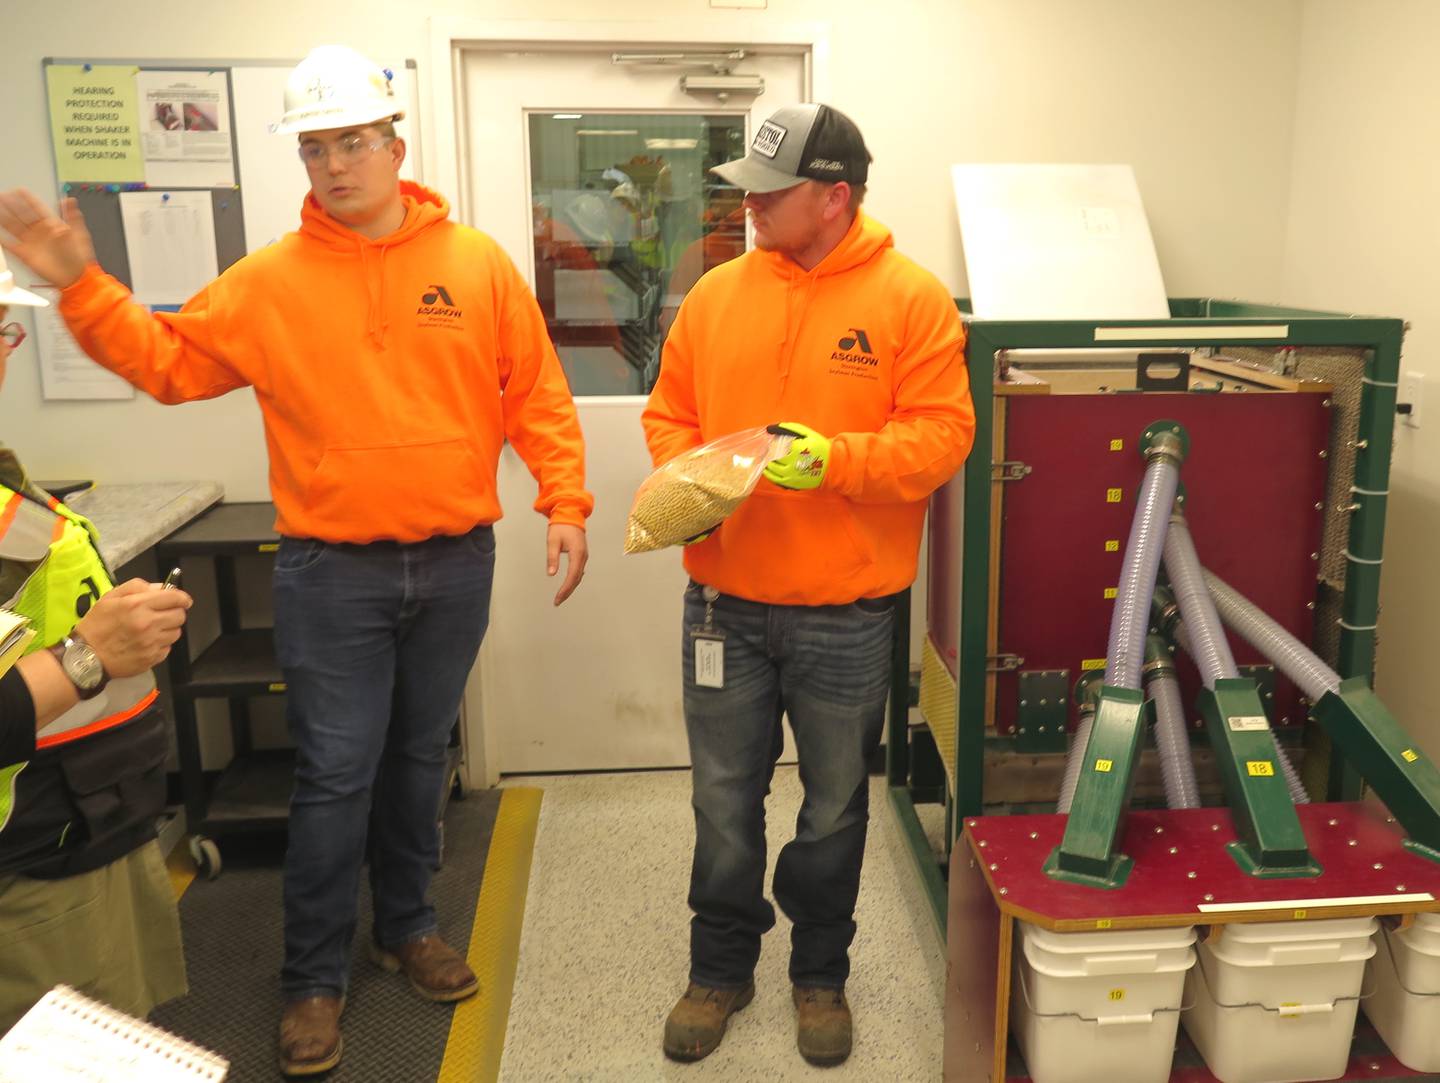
477,1031
181,867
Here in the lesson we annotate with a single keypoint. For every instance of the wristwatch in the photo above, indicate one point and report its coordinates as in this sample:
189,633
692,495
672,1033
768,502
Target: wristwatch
82,665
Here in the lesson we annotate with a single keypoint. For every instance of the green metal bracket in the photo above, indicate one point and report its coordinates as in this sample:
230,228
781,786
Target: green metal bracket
1270,843
1264,678
1403,776
1043,710
1087,854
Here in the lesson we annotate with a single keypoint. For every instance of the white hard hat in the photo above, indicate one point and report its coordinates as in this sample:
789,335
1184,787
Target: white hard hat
336,87
11,294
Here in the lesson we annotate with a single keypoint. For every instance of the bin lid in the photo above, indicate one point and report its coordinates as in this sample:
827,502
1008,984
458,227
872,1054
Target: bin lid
1108,942
1277,932
1423,935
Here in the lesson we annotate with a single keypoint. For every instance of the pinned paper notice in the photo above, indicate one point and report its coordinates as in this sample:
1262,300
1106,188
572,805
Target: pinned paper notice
170,238
185,128
66,372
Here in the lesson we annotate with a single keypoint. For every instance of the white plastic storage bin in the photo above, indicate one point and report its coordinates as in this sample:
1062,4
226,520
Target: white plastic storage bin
1406,1006
1098,1006
1275,1003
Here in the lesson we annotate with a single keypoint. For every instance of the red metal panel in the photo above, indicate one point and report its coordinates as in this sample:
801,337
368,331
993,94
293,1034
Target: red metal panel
1253,478
1169,845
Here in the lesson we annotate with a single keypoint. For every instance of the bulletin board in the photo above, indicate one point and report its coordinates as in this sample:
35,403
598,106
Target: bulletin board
164,136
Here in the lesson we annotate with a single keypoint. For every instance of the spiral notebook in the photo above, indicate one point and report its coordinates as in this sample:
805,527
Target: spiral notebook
15,636
68,1037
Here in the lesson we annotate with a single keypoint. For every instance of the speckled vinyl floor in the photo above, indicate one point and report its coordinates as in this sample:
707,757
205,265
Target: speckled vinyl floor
604,951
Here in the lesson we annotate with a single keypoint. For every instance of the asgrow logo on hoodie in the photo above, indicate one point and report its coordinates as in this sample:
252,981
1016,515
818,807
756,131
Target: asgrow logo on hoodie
437,309
854,357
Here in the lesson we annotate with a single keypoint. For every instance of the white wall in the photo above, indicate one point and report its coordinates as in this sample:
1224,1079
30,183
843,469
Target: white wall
1198,97
1362,236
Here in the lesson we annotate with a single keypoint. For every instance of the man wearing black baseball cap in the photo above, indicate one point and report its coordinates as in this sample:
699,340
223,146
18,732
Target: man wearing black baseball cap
793,595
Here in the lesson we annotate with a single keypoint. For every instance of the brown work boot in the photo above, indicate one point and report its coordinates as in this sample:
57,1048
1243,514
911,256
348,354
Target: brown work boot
823,1028
310,1041
435,969
697,1022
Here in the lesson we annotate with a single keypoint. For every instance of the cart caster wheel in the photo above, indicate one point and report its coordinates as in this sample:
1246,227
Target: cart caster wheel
207,857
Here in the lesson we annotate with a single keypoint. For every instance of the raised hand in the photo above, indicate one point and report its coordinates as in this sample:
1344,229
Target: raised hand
56,249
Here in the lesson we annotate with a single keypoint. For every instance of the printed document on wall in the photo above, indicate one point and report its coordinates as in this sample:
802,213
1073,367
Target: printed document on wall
1057,242
94,123
66,372
170,237
185,129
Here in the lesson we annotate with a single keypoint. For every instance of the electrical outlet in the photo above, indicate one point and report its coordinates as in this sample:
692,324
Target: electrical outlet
1412,390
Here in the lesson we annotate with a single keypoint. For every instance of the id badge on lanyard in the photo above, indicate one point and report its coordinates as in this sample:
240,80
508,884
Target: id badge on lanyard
709,645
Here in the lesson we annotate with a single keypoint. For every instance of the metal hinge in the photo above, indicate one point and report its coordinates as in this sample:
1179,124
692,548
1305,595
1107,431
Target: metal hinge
1009,471
1003,663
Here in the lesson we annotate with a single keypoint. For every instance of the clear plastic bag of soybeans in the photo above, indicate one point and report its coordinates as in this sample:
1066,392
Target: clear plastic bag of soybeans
697,490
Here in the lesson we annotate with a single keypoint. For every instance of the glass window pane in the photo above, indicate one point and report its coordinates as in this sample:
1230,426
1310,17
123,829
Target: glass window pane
627,217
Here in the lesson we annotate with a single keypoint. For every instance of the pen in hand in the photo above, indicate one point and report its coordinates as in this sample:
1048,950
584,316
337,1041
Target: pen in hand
172,581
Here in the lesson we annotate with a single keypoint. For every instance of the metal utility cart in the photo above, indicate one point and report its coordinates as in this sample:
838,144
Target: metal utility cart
253,792
1287,417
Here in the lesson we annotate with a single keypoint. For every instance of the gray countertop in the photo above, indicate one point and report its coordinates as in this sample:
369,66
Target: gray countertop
132,518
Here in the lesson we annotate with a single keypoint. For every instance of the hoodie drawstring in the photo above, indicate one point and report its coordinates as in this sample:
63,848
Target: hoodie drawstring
375,320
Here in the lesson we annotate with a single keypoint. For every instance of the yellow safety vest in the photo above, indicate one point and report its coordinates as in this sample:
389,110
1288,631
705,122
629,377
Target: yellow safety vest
61,549
66,575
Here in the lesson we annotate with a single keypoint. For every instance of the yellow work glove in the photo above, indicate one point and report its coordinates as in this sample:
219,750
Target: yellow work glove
804,465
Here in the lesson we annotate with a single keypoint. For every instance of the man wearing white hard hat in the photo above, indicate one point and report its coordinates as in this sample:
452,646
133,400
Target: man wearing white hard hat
84,896
392,352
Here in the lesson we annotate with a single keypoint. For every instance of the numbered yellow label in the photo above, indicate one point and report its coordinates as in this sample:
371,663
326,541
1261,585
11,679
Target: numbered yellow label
1117,445
278,686
1301,915
1088,664
1104,766
1112,545
1409,755
1260,768
1104,923
1110,592
1117,994
269,547
1114,496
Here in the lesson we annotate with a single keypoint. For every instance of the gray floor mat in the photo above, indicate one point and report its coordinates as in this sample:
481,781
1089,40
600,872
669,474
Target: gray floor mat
233,945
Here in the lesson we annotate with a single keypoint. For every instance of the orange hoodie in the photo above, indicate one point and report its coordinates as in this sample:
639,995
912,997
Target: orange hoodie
389,372
866,348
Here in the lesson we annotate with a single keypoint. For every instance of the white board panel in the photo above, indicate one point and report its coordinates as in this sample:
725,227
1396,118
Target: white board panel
1057,242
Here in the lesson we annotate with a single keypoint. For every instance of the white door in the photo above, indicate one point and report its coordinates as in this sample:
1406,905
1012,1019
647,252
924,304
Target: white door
593,176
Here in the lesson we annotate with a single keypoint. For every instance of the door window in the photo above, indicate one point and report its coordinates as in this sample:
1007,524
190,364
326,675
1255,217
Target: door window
626,218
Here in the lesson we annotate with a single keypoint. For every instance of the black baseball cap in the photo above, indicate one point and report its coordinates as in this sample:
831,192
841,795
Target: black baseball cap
800,143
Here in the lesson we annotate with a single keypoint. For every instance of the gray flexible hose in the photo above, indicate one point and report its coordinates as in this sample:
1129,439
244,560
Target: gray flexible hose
1207,644
1206,635
1288,654
1076,758
1297,790
1130,621
1298,793
1177,769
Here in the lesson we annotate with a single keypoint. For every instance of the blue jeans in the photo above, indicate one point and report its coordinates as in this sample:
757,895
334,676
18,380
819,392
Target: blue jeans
376,642
828,668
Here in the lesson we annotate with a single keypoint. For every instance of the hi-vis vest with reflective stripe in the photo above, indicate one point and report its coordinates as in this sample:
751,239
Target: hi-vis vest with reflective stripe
66,576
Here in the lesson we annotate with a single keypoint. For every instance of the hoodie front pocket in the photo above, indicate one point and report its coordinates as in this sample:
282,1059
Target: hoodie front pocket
427,487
